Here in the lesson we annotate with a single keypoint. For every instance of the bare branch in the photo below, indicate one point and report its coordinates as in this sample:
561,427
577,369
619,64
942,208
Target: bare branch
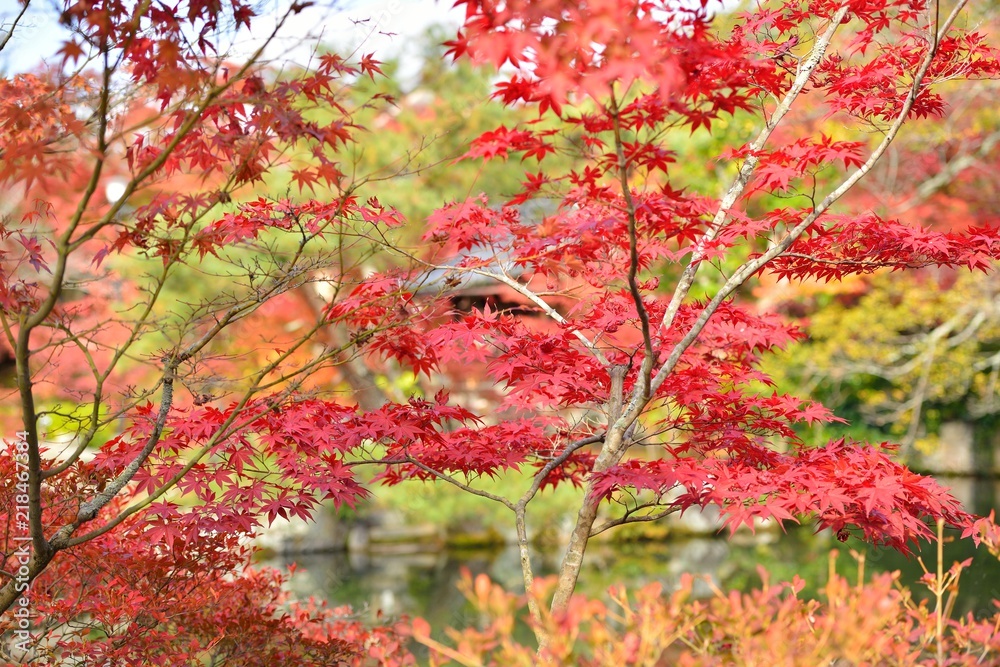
462,485
13,25
540,476
527,572
630,516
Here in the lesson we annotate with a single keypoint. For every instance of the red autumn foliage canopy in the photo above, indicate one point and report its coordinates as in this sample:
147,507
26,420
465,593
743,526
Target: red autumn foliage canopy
629,365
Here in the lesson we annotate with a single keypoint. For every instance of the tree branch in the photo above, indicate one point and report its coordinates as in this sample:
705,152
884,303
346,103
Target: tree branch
648,359
803,73
631,517
751,267
13,25
463,486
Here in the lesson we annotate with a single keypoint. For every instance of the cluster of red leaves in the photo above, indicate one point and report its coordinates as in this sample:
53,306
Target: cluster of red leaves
563,49
844,486
722,427
875,90
779,168
182,161
155,609
252,219
140,597
586,240
37,114
866,243
166,48
266,460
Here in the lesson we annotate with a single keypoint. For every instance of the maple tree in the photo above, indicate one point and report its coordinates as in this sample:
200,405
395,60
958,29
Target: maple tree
143,324
669,373
159,420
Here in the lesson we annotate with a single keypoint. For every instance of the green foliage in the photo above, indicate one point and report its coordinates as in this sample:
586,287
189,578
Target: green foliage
913,350
415,142
462,513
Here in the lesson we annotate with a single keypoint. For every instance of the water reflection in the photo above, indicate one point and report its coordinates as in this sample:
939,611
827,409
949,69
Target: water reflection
413,582
425,584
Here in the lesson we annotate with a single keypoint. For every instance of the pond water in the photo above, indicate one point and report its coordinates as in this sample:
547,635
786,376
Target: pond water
424,583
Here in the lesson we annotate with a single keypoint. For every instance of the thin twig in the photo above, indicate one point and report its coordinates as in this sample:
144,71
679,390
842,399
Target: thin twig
465,487
630,517
13,25
540,476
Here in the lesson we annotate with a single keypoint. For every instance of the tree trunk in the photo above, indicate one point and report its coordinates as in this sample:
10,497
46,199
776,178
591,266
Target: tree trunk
14,589
569,570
